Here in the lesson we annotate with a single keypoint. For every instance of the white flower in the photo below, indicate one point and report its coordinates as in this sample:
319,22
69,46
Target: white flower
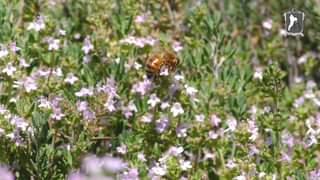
53,44
200,117
230,164
147,118
3,109
28,83
9,69
141,157
283,32
215,120
44,103
23,63
191,91
122,149
267,24
232,124
164,105
241,177
137,66
13,100
85,92
37,25
153,100
185,165
176,151
71,78
213,135
57,72
62,32
258,74
262,174
164,72
178,77
158,170
132,106
77,36
87,46
110,105
176,109
3,52
176,46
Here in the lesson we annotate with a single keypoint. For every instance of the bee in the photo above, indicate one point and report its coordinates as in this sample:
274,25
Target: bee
158,62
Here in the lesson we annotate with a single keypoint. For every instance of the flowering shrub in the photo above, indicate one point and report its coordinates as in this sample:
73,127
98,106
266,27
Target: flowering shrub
76,103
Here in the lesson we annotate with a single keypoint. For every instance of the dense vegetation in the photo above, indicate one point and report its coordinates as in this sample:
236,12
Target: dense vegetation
75,102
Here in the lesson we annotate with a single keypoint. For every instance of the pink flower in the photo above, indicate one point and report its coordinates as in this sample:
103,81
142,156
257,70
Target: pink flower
140,19
113,164
142,87
128,110
162,123
131,174
253,130
28,83
76,176
230,164
139,41
5,173
213,135
176,46
13,47
57,114
82,106
181,130
287,139
175,151
215,120
19,123
314,174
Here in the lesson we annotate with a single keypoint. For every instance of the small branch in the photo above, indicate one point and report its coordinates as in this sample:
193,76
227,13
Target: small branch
21,12
106,138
